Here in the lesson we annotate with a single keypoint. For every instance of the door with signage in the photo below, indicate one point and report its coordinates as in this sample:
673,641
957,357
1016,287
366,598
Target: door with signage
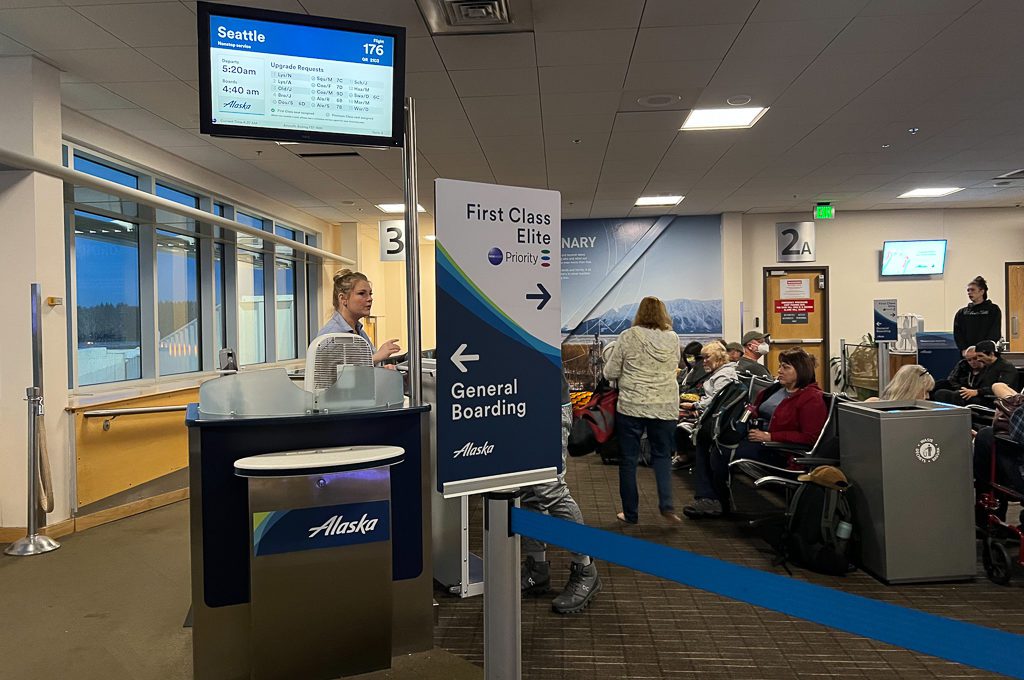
1015,305
796,315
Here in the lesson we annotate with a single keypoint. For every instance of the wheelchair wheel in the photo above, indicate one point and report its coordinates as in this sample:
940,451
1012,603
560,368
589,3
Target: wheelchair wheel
997,561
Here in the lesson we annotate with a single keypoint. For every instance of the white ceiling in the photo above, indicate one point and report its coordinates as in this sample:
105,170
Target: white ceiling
556,105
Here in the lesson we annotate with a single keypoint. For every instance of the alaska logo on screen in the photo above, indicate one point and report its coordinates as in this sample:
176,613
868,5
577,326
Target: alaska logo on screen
333,526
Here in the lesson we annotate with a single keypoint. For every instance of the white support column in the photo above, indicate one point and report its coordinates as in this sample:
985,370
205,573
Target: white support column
32,227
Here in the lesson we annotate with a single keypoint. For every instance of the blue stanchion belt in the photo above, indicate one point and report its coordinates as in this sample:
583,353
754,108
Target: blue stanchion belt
966,643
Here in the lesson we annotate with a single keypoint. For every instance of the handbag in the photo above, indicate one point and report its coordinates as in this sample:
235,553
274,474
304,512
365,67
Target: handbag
1005,408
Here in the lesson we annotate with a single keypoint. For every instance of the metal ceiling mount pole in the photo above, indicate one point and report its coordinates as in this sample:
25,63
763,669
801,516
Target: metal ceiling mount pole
412,255
34,543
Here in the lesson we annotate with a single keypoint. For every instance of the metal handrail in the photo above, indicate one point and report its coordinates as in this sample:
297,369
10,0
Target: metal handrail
112,413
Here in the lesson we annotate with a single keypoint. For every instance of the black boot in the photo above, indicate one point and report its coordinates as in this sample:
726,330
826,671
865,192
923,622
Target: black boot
583,585
535,577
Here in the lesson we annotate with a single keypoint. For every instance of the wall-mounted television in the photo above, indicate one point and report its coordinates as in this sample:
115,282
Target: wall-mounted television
913,258
299,78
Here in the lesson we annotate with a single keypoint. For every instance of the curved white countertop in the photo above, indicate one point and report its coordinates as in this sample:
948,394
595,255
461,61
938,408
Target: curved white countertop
318,460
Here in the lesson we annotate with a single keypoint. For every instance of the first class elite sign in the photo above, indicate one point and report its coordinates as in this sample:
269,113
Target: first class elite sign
498,336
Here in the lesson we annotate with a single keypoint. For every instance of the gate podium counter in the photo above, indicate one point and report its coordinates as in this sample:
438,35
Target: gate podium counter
263,412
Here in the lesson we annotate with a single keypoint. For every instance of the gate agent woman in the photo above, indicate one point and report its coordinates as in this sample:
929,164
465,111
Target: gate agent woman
644,361
353,298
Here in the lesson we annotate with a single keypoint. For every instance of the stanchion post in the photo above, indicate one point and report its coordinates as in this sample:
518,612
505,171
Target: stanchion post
412,255
502,606
34,543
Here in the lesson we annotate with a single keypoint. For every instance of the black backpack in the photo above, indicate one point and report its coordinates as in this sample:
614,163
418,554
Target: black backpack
722,421
809,539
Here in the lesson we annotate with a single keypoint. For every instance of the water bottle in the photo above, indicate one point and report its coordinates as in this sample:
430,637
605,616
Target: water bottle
843,532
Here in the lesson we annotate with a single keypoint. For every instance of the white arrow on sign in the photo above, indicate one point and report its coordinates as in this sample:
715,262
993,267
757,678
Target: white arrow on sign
459,357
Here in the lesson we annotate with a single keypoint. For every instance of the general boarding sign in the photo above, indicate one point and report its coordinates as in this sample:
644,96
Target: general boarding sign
498,336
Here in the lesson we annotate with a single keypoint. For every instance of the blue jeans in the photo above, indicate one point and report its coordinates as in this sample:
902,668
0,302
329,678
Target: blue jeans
711,466
660,434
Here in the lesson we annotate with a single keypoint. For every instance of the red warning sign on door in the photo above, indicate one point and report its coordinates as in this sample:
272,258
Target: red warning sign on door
790,306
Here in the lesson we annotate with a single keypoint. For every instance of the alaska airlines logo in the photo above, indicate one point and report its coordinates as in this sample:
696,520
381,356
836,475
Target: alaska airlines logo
235,104
335,525
471,449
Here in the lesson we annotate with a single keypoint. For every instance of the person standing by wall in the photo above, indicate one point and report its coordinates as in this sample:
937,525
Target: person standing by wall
644,362
980,320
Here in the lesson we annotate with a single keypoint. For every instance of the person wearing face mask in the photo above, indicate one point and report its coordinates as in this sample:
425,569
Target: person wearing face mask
353,298
980,320
692,372
755,346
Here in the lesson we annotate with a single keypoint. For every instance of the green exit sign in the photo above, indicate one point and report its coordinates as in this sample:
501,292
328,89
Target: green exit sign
824,212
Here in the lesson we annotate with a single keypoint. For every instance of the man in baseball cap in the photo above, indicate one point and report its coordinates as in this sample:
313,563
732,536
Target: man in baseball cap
754,346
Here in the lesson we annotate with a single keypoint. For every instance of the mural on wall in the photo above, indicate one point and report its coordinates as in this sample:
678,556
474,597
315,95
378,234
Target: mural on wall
609,265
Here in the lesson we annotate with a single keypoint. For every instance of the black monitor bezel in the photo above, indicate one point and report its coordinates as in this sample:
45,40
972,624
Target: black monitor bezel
206,125
881,257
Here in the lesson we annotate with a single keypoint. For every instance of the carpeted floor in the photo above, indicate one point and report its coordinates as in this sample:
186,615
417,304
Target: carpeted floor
110,604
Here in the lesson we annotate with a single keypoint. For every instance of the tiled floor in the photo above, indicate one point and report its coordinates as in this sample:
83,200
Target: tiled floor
644,627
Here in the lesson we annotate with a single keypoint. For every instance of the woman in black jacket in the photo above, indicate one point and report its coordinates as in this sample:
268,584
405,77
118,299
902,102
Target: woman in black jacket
980,320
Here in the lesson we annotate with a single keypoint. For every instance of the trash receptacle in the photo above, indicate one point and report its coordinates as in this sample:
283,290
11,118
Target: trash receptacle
320,560
909,463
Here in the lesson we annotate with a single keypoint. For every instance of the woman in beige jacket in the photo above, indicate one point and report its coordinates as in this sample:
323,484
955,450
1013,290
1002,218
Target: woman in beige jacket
643,361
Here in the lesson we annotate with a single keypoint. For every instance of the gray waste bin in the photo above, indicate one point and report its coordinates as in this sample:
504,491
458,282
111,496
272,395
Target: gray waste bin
320,561
910,467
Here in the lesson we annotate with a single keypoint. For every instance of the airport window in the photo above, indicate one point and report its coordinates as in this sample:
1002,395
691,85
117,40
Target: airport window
210,286
177,274
252,333
219,309
107,296
170,219
101,200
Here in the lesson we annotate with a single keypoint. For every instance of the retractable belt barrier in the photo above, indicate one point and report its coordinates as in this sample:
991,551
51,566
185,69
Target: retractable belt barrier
966,643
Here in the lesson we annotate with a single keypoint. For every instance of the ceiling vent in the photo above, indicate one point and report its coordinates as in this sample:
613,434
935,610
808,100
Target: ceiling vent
328,154
476,12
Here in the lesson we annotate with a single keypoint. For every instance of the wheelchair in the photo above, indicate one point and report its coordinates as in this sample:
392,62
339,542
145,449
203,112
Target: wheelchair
1002,549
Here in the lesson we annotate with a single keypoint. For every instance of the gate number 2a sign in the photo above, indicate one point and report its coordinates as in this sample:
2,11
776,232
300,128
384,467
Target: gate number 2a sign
795,241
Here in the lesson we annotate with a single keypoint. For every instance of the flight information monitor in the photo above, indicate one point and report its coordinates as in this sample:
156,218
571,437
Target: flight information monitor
913,258
294,77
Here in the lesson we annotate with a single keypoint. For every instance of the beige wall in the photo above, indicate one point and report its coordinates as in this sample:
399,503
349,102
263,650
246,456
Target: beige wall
980,242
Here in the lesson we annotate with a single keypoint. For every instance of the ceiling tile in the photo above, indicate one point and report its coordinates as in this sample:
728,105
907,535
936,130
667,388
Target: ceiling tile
871,35
580,103
785,38
566,48
888,8
394,12
663,124
132,120
684,43
495,50
695,12
173,100
792,10
578,126
586,15
12,48
429,85
582,78
91,97
499,116
762,79
54,28
153,24
495,82
421,55
833,80
182,62
123,65
669,76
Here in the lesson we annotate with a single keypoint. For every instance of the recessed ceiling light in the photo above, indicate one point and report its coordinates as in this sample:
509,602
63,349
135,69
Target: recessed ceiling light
285,143
931,192
738,100
886,146
723,119
913,130
649,201
392,208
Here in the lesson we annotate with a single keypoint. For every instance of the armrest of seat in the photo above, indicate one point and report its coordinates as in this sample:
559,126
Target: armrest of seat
747,464
792,447
771,479
810,462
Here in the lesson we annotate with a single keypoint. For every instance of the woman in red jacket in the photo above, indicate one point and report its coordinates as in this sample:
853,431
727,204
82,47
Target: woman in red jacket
794,409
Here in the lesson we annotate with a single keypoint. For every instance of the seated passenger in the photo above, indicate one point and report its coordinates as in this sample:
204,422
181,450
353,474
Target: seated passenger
755,346
911,382
1009,469
693,373
972,379
734,350
794,409
719,370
